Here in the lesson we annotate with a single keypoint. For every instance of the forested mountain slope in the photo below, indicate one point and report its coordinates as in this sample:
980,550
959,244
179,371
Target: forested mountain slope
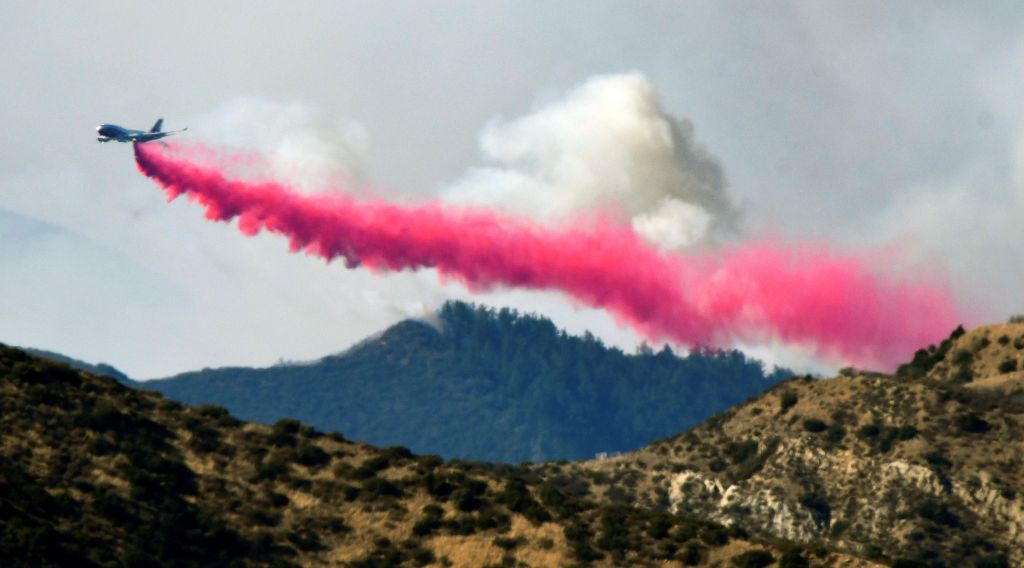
487,385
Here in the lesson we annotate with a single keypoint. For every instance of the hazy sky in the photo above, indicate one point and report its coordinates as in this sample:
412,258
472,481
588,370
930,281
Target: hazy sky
858,123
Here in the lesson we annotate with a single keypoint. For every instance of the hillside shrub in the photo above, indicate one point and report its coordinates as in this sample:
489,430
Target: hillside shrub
814,425
885,438
283,432
218,414
714,535
891,435
659,527
841,416
971,423
462,525
578,536
755,465
516,496
793,558
686,532
937,512
491,519
429,522
926,359
996,561
787,399
37,395
278,499
869,431
690,555
615,534
908,563
428,462
740,452
305,539
753,559
262,517
963,375
507,543
274,466
906,432
377,487
311,455
937,460
466,500
563,505
963,357
838,528
818,506
422,556
836,434
437,486
371,466
204,439
101,446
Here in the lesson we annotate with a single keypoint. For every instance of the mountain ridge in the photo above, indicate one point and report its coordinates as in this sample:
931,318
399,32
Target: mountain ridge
923,466
103,369
487,375
94,473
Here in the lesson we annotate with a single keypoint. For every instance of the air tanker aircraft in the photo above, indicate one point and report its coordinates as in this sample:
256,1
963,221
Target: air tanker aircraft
110,132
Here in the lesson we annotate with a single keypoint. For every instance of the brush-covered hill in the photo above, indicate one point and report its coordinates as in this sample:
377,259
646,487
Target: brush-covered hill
103,369
93,473
487,385
925,466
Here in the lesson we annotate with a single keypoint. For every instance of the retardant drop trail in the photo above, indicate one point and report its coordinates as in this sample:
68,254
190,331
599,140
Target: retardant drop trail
806,295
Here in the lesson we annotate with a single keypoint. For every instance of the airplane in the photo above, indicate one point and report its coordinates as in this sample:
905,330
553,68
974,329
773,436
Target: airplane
110,132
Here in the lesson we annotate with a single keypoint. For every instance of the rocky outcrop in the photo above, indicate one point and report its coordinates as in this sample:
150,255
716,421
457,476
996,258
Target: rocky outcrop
857,502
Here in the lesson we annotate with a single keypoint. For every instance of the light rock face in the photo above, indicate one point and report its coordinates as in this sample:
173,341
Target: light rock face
871,500
773,512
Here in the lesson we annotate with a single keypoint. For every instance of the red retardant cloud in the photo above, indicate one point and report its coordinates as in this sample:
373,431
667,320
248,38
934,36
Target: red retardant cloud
760,291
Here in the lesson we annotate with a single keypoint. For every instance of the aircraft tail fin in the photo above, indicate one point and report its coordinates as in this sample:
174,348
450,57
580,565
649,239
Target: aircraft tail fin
156,127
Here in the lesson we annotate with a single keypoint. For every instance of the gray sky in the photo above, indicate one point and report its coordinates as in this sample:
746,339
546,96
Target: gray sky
859,123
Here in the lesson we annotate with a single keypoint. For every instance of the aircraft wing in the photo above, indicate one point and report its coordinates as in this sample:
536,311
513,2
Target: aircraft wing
149,136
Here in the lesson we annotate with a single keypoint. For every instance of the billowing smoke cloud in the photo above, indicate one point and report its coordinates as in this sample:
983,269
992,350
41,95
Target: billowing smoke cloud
805,295
608,144
291,141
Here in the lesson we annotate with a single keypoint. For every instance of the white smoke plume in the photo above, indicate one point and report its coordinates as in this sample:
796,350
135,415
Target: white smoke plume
312,151
607,145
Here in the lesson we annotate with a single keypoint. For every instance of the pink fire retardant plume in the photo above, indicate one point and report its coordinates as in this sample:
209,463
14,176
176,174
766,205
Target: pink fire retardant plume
833,304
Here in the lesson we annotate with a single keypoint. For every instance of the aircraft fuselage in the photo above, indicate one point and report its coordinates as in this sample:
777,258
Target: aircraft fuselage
108,132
